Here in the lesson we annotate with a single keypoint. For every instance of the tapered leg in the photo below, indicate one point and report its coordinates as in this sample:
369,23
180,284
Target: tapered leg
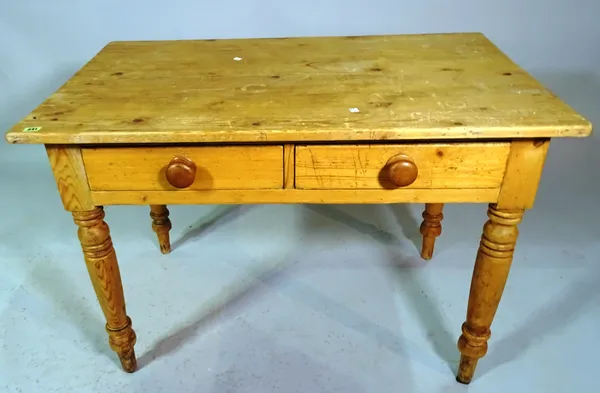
101,262
489,277
431,227
161,225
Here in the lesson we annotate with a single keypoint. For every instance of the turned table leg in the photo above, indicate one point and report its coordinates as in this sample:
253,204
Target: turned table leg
431,227
101,262
489,277
161,225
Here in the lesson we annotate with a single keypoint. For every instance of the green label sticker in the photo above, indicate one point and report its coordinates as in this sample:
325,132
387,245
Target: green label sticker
31,129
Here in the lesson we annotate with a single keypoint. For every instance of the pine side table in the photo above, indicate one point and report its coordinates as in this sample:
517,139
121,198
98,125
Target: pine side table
432,119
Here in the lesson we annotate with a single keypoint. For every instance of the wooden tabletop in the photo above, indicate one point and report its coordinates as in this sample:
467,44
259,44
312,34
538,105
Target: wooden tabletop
444,86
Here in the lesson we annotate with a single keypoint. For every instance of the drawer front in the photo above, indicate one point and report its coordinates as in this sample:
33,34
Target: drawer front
215,167
428,166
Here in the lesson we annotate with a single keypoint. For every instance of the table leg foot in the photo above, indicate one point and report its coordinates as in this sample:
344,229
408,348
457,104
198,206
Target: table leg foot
101,262
161,225
121,341
128,361
466,369
431,227
489,278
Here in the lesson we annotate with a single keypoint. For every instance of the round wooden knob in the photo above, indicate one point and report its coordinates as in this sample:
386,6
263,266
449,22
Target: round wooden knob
181,172
402,170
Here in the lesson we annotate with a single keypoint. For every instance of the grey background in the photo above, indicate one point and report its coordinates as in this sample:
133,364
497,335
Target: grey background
298,298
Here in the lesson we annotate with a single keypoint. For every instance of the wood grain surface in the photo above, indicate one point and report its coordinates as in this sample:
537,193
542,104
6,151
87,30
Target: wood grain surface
390,87
161,225
490,273
217,167
69,172
101,262
523,173
289,166
440,165
293,196
431,228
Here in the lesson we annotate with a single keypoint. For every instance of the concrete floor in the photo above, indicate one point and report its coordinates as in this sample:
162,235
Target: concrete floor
313,298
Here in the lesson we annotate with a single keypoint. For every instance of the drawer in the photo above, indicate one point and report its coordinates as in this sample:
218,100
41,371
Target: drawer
427,166
188,167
